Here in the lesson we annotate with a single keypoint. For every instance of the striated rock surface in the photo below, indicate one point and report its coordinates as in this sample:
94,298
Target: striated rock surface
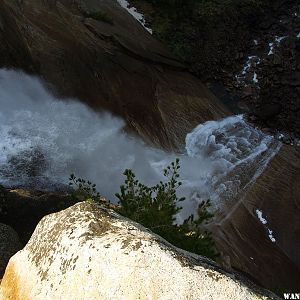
111,63
87,252
9,245
259,229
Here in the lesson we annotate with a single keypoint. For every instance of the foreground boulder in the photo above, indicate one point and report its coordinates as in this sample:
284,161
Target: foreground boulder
87,252
9,245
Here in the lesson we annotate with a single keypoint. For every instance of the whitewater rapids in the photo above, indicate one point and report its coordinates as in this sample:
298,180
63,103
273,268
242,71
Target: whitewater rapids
43,140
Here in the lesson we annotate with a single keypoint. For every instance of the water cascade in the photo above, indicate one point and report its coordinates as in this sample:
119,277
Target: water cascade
43,140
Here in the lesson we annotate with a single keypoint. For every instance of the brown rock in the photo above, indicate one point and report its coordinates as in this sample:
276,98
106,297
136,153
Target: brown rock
120,68
9,245
87,252
268,110
245,239
247,91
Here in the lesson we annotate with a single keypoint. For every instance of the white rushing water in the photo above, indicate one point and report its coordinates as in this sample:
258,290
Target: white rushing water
43,140
133,11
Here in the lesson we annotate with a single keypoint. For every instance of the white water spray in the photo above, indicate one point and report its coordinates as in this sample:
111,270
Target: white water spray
43,140
133,11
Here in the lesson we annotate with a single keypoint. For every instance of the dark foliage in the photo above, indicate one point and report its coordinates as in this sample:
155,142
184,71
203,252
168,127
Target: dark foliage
156,207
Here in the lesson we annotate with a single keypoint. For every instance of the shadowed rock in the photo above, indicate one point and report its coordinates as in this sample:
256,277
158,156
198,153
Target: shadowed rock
116,66
22,209
9,245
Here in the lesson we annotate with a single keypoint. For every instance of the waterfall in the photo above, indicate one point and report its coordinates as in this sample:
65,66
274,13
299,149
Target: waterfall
43,140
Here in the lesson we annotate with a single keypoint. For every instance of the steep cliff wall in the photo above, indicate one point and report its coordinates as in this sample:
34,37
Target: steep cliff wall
109,62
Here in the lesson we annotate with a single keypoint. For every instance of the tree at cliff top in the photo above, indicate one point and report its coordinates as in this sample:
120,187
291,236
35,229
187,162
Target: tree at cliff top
156,208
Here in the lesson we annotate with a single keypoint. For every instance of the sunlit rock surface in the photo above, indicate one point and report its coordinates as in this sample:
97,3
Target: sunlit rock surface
86,252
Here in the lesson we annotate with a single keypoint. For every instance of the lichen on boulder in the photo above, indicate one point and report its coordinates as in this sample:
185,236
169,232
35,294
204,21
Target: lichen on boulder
88,252
9,245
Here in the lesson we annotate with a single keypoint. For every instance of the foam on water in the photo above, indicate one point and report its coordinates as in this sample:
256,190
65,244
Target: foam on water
43,140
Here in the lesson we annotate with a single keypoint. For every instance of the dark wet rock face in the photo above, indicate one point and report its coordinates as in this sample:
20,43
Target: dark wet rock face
9,245
22,209
231,54
267,111
273,73
281,86
270,89
115,66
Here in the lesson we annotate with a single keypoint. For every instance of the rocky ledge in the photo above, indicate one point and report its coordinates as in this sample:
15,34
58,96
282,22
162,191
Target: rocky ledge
88,252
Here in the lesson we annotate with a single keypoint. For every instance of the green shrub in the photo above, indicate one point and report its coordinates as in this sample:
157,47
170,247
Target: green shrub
84,190
156,208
